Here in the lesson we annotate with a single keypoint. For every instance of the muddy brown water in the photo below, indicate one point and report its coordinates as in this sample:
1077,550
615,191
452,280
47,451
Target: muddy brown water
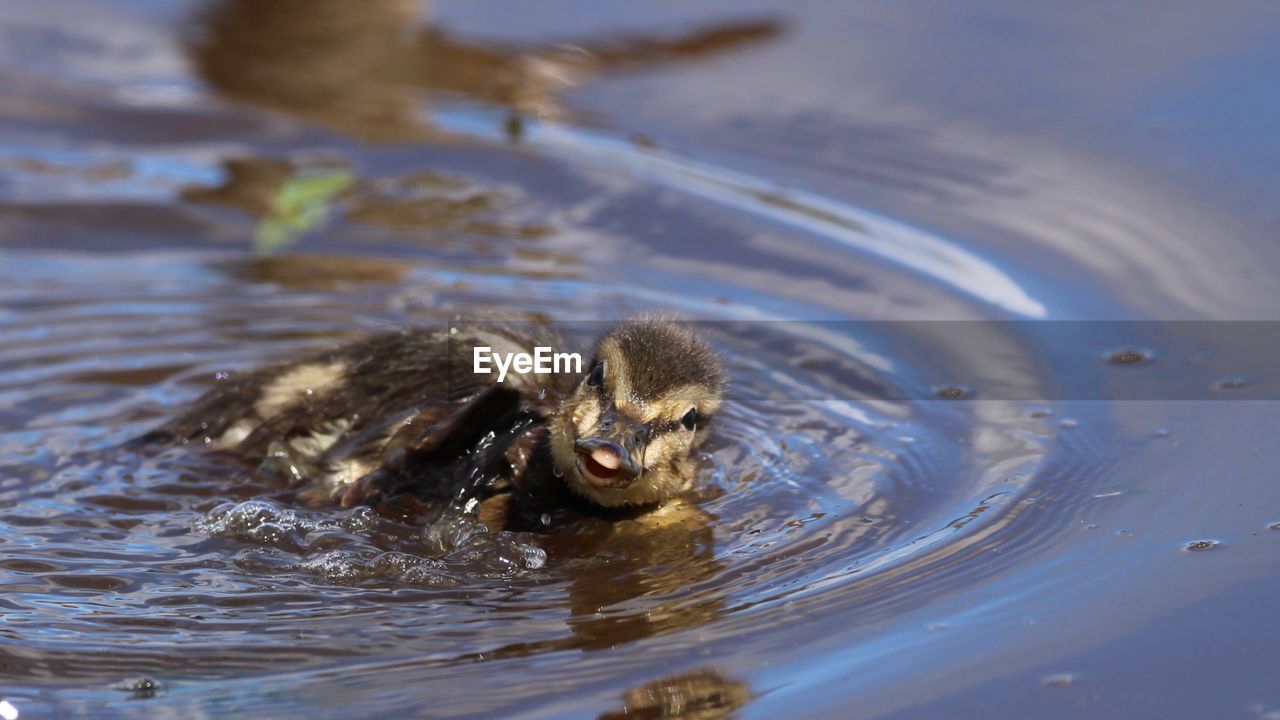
993,286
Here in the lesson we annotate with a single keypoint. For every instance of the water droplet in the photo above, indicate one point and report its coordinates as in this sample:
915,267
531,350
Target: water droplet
1060,680
267,533
534,557
1230,383
952,392
1201,545
1130,356
143,688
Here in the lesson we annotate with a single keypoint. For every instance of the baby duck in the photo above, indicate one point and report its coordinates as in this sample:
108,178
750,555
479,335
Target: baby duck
403,413
627,433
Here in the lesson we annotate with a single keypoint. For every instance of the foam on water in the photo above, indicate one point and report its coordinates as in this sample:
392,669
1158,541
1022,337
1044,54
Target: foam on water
357,545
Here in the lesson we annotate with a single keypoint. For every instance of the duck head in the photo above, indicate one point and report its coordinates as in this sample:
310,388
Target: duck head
627,433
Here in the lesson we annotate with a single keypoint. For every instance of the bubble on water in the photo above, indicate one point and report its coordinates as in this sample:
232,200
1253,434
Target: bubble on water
350,567
1130,356
952,392
463,539
393,562
234,517
339,566
1230,383
531,557
143,688
266,522
1060,680
269,533
452,531
361,519
348,547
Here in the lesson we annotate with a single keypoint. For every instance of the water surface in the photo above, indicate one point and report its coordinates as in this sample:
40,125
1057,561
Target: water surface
987,518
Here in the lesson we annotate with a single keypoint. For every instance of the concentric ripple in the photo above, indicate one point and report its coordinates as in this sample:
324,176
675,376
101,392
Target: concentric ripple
132,556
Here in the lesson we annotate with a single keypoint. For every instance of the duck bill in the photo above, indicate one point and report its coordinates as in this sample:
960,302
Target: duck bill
610,462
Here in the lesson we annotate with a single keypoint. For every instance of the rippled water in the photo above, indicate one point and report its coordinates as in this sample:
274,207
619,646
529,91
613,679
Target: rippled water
941,486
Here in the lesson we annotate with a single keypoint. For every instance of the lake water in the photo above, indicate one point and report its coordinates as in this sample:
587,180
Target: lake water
994,286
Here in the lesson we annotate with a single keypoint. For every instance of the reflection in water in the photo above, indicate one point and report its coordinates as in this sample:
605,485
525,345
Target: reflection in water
361,67
315,272
436,200
292,197
289,203
660,558
250,185
702,694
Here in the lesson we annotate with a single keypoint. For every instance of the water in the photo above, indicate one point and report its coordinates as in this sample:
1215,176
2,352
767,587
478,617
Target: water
941,486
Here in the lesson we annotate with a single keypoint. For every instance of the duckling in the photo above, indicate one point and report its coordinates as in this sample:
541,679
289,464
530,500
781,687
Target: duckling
403,412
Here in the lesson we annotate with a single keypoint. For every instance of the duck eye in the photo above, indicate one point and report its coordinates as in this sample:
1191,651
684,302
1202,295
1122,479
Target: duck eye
596,378
690,419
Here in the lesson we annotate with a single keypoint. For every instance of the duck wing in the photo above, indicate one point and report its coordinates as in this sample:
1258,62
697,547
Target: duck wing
444,449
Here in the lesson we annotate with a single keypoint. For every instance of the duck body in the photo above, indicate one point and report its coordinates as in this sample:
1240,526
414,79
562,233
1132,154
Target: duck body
406,412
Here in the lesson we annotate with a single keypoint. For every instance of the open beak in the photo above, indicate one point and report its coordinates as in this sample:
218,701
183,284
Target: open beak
612,460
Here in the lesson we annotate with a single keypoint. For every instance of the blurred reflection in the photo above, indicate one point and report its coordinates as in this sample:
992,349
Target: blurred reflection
436,200
250,185
702,694
361,67
290,198
316,272
663,556
287,200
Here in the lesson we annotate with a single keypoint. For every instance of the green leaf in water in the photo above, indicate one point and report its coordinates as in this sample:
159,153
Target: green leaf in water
300,203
